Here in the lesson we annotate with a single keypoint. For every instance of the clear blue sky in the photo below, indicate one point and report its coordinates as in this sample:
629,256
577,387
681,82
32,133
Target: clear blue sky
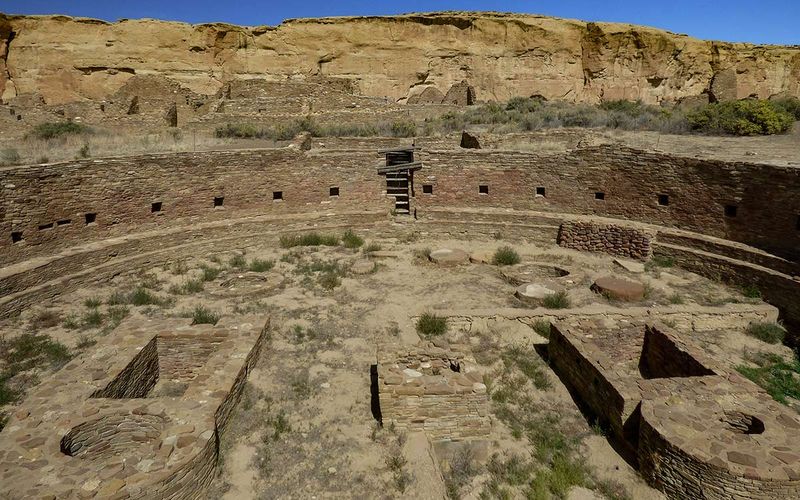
756,21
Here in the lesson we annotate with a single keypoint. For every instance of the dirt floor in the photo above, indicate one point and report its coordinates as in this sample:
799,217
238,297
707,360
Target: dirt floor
304,428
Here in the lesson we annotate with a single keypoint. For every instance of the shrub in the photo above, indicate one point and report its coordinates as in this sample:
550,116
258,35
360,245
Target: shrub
404,129
308,240
329,280
751,292
116,314
92,319
203,316
210,273
92,302
260,265
431,325
676,299
188,287
505,256
542,327
238,261
351,240
9,157
558,300
746,117
71,322
239,131
789,104
84,152
771,333
142,297
54,130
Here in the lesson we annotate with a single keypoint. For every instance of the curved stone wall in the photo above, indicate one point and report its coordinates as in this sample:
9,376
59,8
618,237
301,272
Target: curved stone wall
734,220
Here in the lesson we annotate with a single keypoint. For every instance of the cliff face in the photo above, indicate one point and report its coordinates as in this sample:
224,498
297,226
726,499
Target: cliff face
501,56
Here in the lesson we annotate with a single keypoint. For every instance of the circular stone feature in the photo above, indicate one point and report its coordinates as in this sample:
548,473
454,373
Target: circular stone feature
449,257
112,435
533,293
529,272
620,289
362,266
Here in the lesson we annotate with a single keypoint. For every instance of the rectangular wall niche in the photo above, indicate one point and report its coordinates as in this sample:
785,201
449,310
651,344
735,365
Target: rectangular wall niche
663,200
483,189
16,237
334,191
218,201
541,191
64,222
797,223
277,195
731,210
90,218
155,207
44,227
427,188
599,195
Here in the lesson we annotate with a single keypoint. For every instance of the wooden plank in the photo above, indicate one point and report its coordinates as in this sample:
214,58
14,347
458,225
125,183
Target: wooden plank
399,150
383,169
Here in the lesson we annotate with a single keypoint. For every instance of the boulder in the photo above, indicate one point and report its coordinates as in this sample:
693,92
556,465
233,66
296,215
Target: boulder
449,257
469,141
619,289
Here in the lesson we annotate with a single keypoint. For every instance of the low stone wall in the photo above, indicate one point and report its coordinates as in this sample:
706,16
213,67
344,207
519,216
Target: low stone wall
605,238
696,428
431,389
137,444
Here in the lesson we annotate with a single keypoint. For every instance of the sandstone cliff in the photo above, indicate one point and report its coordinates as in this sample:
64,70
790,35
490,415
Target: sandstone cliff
500,55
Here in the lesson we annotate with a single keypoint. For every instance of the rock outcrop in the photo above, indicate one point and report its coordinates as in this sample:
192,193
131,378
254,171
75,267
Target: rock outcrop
498,56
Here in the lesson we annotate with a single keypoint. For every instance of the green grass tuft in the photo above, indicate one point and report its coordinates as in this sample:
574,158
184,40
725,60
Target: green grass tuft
558,300
431,325
308,240
53,130
238,261
352,240
204,316
261,265
780,378
505,256
771,333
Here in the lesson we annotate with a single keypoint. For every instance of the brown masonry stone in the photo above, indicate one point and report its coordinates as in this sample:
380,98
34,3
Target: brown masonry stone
118,436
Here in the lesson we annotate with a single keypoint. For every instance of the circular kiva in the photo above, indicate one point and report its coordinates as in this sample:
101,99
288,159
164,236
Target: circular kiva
532,293
710,442
235,284
363,266
112,435
449,257
530,272
619,289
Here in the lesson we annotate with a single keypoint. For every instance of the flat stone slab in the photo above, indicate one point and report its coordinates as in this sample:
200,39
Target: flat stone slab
449,257
617,288
384,254
630,265
533,293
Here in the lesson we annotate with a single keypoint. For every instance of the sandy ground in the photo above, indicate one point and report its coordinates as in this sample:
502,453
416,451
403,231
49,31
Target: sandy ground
304,427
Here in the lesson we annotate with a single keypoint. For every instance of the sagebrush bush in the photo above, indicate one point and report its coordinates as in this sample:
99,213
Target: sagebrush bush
789,104
746,117
53,130
558,300
505,256
261,265
431,325
9,157
204,316
352,240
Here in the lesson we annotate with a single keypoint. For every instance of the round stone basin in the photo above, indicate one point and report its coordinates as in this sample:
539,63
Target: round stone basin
449,257
112,435
533,293
531,272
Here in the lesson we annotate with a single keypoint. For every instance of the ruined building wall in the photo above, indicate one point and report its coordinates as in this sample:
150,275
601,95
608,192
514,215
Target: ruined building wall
606,238
55,206
685,193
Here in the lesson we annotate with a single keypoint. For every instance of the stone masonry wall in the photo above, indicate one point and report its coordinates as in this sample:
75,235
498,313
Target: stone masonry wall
47,206
605,238
662,357
617,182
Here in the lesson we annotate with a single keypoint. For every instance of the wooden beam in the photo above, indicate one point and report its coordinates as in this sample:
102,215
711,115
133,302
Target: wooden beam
382,169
